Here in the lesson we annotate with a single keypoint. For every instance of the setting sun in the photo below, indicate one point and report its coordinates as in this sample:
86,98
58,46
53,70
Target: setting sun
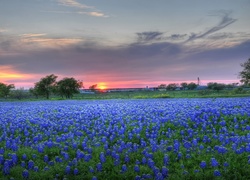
102,85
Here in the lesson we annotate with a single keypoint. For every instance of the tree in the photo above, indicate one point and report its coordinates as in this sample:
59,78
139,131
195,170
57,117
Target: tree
191,86
93,87
172,86
68,86
215,86
46,85
5,89
34,92
245,73
162,86
184,85
20,93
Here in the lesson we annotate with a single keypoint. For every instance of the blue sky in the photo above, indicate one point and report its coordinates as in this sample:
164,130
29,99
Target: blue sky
132,43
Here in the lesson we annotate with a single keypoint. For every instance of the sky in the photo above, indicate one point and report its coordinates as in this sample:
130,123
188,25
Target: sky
123,43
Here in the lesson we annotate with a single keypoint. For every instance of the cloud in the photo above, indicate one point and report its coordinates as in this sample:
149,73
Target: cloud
3,30
94,13
224,22
149,36
176,37
73,3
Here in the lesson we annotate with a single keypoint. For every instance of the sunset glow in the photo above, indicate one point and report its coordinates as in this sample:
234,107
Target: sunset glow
93,41
102,86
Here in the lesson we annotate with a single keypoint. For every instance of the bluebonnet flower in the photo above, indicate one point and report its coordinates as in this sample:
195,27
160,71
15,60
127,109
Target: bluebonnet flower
116,162
87,157
67,170
1,150
226,164
124,168
169,148
1,159
164,171
102,157
137,177
30,164
6,168
23,164
203,164
214,162
66,156
76,171
25,174
91,169
51,163
94,178
24,156
217,173
165,160
159,176
151,163
99,167
46,158
46,168
14,158
156,170
137,168
144,160
126,158
36,168
196,171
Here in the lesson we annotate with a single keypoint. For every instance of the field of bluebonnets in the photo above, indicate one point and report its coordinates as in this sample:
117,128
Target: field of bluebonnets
126,139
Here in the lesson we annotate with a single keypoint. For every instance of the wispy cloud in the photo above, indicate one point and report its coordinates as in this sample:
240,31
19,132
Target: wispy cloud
89,10
224,22
74,3
94,13
31,35
2,30
149,36
177,37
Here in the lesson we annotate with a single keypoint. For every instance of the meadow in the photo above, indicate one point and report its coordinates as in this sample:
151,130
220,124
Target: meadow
195,138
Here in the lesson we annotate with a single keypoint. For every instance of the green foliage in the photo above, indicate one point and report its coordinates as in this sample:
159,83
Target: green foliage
46,85
215,86
191,86
93,87
19,94
162,86
184,85
172,86
67,87
5,89
245,73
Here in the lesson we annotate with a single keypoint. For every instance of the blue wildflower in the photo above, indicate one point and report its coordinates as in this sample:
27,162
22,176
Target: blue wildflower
67,170
124,168
102,157
6,168
30,164
99,167
214,162
76,171
203,164
217,173
137,168
25,174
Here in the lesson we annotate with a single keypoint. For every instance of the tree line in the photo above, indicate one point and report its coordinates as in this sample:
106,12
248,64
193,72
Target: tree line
47,85
67,87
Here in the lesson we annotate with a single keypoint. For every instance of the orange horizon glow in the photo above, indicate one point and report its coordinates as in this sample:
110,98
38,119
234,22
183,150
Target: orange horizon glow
102,85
